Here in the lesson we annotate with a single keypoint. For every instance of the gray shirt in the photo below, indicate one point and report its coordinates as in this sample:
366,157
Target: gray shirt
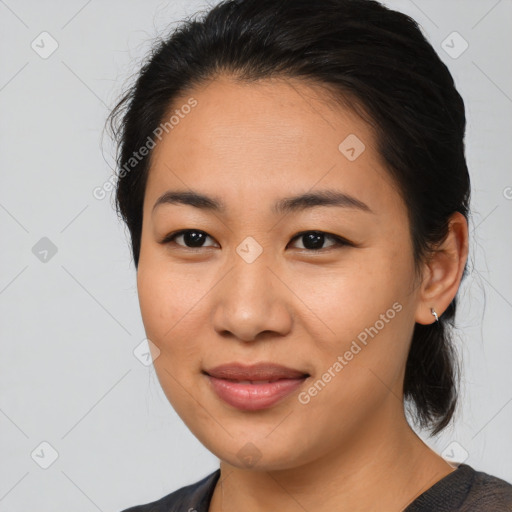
463,490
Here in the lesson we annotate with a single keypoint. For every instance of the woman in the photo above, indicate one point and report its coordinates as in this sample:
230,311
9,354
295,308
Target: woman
293,177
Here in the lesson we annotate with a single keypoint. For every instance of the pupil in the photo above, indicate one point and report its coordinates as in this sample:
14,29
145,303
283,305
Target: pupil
315,240
193,238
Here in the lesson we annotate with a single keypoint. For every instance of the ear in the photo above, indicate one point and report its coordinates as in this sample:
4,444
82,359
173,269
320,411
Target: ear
442,273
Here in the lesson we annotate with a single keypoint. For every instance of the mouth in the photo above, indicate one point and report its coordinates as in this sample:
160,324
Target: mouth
254,387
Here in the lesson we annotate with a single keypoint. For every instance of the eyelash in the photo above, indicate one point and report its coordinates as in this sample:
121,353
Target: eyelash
338,241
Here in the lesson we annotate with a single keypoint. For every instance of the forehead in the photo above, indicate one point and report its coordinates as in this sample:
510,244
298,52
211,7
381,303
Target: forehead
267,137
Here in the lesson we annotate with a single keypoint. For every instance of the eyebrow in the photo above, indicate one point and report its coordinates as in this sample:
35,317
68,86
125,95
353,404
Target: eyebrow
285,205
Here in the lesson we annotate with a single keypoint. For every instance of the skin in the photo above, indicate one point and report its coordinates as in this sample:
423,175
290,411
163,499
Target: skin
249,145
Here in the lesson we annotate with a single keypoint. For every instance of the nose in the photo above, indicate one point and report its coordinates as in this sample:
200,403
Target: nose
251,303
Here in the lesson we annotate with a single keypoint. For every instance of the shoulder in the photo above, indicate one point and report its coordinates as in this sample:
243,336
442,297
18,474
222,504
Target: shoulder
488,493
465,490
191,498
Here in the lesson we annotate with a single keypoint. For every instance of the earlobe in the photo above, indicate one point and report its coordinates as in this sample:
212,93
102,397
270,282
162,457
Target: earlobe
443,272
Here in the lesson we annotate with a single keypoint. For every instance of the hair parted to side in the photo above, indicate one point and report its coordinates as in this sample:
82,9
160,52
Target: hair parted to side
358,50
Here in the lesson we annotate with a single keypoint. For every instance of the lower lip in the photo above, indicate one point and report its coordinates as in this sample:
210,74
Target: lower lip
253,397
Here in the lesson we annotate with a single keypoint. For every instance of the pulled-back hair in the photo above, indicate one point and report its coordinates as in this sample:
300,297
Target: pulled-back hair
358,50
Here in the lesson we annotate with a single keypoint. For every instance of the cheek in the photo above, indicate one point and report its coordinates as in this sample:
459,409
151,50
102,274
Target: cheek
154,291
361,369
169,303
364,316
349,298
169,307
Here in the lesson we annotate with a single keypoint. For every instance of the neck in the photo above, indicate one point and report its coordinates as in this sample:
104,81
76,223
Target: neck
385,463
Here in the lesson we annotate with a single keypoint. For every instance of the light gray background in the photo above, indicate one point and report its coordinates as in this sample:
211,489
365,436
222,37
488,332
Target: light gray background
69,325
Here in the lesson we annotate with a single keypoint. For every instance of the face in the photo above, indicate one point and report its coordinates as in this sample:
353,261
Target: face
322,285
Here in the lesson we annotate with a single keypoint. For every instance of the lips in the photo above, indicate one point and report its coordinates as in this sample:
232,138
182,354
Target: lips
260,372
254,387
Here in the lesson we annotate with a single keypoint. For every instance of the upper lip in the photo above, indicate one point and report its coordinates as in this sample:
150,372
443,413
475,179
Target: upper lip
259,371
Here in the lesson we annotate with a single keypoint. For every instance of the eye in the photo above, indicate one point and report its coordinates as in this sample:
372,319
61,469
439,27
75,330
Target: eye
191,238
311,240
314,240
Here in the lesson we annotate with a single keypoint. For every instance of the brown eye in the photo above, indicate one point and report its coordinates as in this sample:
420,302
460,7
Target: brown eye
190,238
314,240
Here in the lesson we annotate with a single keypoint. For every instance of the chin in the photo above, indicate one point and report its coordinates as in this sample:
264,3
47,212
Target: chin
256,452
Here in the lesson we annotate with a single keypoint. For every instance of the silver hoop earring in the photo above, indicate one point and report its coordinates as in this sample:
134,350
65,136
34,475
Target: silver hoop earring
433,311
